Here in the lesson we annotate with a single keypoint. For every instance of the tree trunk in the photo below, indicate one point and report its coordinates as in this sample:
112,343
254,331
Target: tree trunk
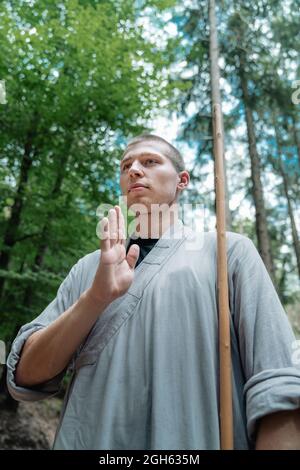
10,235
282,278
295,237
263,240
43,240
296,242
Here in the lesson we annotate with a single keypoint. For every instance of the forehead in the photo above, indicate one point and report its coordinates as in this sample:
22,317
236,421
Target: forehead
154,148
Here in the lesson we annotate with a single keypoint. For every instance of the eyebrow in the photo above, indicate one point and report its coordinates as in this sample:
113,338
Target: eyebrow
143,154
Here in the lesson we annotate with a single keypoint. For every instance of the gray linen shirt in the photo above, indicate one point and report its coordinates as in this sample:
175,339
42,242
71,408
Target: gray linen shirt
147,376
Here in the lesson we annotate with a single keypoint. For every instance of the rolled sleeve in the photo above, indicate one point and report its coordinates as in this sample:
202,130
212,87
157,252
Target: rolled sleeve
271,391
272,381
67,294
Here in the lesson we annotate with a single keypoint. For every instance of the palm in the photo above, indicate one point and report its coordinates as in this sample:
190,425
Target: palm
119,274
116,269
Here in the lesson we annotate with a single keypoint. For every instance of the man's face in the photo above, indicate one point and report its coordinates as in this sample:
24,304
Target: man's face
148,176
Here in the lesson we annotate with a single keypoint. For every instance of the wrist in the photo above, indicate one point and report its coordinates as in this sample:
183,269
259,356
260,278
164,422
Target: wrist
96,303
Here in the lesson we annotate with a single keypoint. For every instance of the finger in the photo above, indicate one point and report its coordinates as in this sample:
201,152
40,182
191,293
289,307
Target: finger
121,226
113,229
104,235
133,255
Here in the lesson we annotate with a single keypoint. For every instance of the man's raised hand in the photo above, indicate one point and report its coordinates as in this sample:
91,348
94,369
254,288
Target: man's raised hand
115,272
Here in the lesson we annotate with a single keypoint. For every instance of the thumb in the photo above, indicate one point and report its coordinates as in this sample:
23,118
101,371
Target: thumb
133,255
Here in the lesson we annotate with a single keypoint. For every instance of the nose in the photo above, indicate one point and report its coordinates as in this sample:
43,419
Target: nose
135,169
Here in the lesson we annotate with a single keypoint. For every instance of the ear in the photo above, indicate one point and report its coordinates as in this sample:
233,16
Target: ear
184,179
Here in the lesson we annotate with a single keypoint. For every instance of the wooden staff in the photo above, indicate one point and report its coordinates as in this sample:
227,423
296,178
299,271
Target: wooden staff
226,415
226,419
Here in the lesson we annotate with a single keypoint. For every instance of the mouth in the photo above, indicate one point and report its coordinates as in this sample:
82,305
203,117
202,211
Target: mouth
137,187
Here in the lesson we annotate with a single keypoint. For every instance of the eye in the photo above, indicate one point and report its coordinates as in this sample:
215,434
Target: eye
150,161
125,167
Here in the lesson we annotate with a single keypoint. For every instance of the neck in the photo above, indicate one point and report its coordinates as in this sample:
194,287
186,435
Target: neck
153,224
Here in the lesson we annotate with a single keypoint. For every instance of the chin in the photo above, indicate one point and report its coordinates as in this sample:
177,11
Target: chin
140,201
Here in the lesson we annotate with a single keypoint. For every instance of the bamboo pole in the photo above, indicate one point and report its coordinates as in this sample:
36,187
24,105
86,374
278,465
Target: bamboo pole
226,413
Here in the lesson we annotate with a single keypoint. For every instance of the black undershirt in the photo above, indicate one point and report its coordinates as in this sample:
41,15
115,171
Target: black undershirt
145,244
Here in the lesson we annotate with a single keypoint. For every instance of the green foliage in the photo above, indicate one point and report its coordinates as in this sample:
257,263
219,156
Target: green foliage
81,76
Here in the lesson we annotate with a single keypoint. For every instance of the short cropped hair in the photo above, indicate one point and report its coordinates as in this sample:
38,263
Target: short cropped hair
171,152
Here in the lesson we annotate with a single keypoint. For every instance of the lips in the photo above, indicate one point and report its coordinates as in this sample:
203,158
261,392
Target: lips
136,186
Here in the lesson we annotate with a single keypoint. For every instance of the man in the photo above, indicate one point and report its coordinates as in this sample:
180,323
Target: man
143,341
